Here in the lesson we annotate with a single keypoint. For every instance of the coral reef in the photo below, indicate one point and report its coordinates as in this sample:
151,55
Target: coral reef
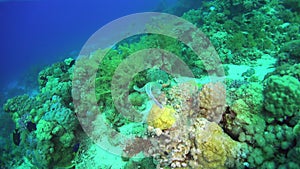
201,145
195,142
286,69
268,143
50,139
242,31
188,122
182,96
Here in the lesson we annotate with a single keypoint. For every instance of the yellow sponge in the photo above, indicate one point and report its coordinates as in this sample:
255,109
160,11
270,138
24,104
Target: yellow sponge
162,118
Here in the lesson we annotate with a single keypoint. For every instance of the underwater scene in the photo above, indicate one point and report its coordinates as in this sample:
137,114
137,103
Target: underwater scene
162,84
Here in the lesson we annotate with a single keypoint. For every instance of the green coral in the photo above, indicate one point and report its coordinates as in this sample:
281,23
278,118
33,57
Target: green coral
268,143
244,121
244,30
137,99
133,129
67,139
296,130
143,163
19,106
281,96
286,69
51,144
44,130
292,48
252,95
57,80
236,42
292,4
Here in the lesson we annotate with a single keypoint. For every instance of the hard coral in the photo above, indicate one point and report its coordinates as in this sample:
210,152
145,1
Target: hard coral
212,101
173,147
252,95
48,141
214,149
282,96
243,124
182,96
201,145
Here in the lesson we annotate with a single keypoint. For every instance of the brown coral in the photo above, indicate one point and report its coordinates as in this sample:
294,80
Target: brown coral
201,145
214,148
183,97
212,99
173,148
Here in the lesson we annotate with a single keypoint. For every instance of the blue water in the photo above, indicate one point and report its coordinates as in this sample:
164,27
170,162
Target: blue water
37,33
41,32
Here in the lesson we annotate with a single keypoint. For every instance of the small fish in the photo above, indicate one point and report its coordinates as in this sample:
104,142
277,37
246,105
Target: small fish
76,147
30,126
16,137
72,63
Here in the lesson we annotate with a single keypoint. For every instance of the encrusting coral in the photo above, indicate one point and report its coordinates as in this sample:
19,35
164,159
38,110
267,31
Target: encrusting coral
212,101
213,148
